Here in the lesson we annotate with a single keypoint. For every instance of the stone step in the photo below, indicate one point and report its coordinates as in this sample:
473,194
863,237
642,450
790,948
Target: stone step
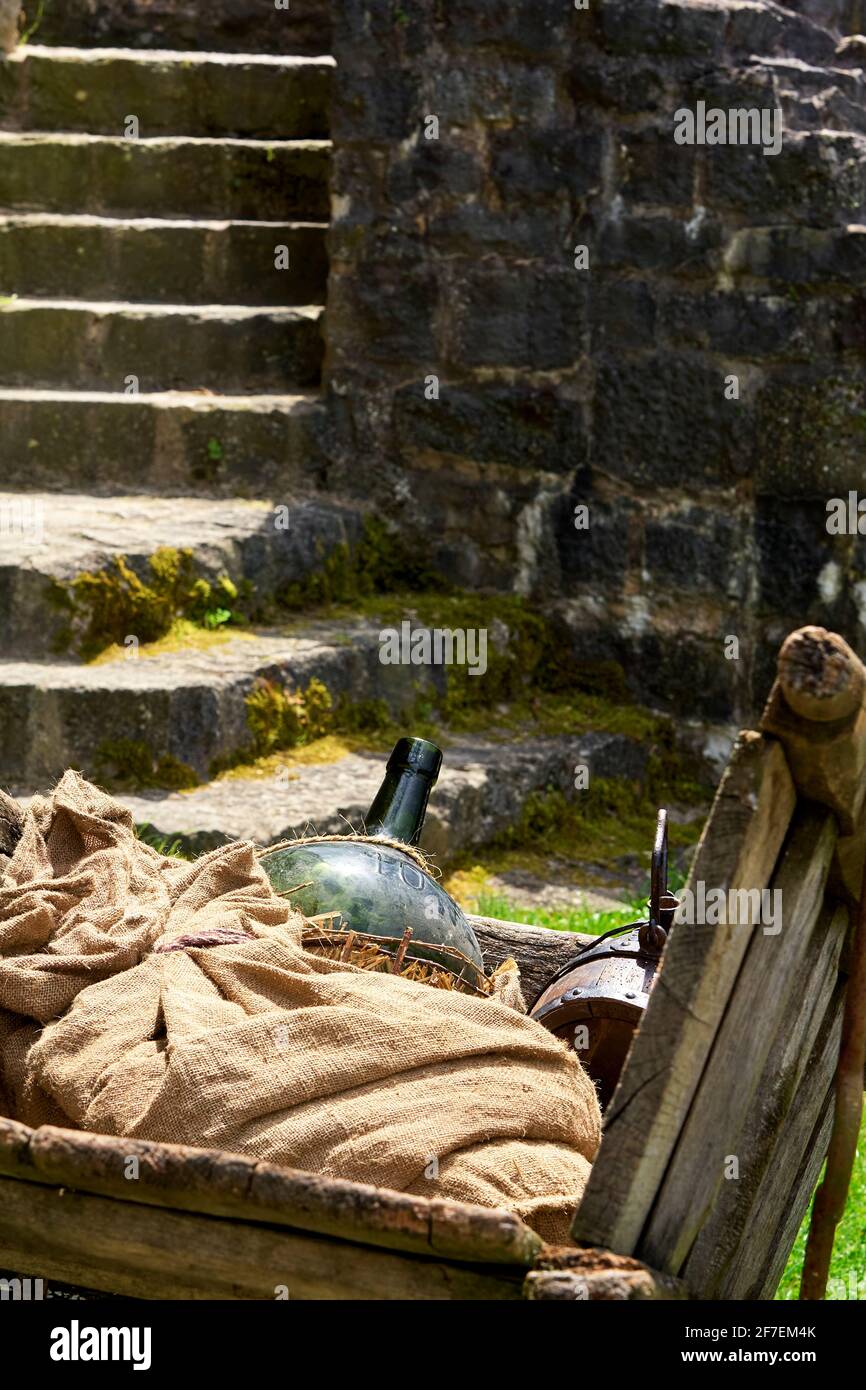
148,260
301,26
55,536
179,176
482,789
49,344
815,98
188,704
169,93
168,442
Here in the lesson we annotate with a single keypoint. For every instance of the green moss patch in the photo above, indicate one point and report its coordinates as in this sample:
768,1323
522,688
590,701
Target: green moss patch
612,818
380,563
108,606
125,764
561,838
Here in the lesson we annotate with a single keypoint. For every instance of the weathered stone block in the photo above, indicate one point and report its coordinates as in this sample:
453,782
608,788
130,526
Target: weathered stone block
506,228
362,29
527,427
741,324
688,672
732,88
237,445
189,262
600,550
513,316
365,107
817,178
849,325
663,420
811,437
654,169
772,29
546,164
672,668
698,550
214,95
495,88
385,313
795,255
52,346
843,16
685,246
622,313
476,517
540,29
815,98
447,168
793,549
630,84
674,27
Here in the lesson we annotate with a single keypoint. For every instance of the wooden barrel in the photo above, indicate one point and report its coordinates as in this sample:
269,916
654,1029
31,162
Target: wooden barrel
596,1004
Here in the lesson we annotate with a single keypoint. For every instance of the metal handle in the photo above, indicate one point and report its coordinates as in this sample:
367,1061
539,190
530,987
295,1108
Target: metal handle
654,933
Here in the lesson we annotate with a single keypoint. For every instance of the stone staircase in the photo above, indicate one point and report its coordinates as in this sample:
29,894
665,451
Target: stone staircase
159,337
158,378
162,290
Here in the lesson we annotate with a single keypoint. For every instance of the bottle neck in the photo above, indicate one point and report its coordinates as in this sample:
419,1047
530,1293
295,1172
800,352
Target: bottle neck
399,807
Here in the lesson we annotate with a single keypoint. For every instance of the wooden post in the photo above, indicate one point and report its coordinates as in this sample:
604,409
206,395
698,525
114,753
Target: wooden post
816,710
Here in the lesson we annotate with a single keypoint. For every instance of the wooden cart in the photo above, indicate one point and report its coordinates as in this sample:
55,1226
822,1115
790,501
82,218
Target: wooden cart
713,1140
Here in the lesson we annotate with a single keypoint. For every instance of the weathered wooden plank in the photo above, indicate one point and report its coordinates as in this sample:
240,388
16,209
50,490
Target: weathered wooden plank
223,1184
539,952
739,1212
799,1153
780,1248
738,850
149,1252
714,1127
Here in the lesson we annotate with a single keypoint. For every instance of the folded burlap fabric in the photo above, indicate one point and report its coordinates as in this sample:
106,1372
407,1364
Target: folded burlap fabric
255,1045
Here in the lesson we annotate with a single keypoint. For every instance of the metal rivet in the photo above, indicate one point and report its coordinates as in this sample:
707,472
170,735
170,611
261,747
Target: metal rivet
630,996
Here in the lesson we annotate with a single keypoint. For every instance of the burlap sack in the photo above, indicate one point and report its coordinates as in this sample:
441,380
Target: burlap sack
257,1046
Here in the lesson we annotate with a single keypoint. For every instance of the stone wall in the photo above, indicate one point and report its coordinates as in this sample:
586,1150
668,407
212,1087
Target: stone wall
454,257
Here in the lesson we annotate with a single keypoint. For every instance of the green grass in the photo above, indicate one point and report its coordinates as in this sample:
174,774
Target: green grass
173,849
485,903
559,919
848,1267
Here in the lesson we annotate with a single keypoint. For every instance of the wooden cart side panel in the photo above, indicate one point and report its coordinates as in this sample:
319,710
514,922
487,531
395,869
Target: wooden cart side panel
739,849
800,1153
770,991
748,1210
152,1252
212,1182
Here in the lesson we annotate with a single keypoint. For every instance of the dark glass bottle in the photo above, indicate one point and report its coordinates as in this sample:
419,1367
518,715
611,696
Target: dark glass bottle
377,887
400,805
